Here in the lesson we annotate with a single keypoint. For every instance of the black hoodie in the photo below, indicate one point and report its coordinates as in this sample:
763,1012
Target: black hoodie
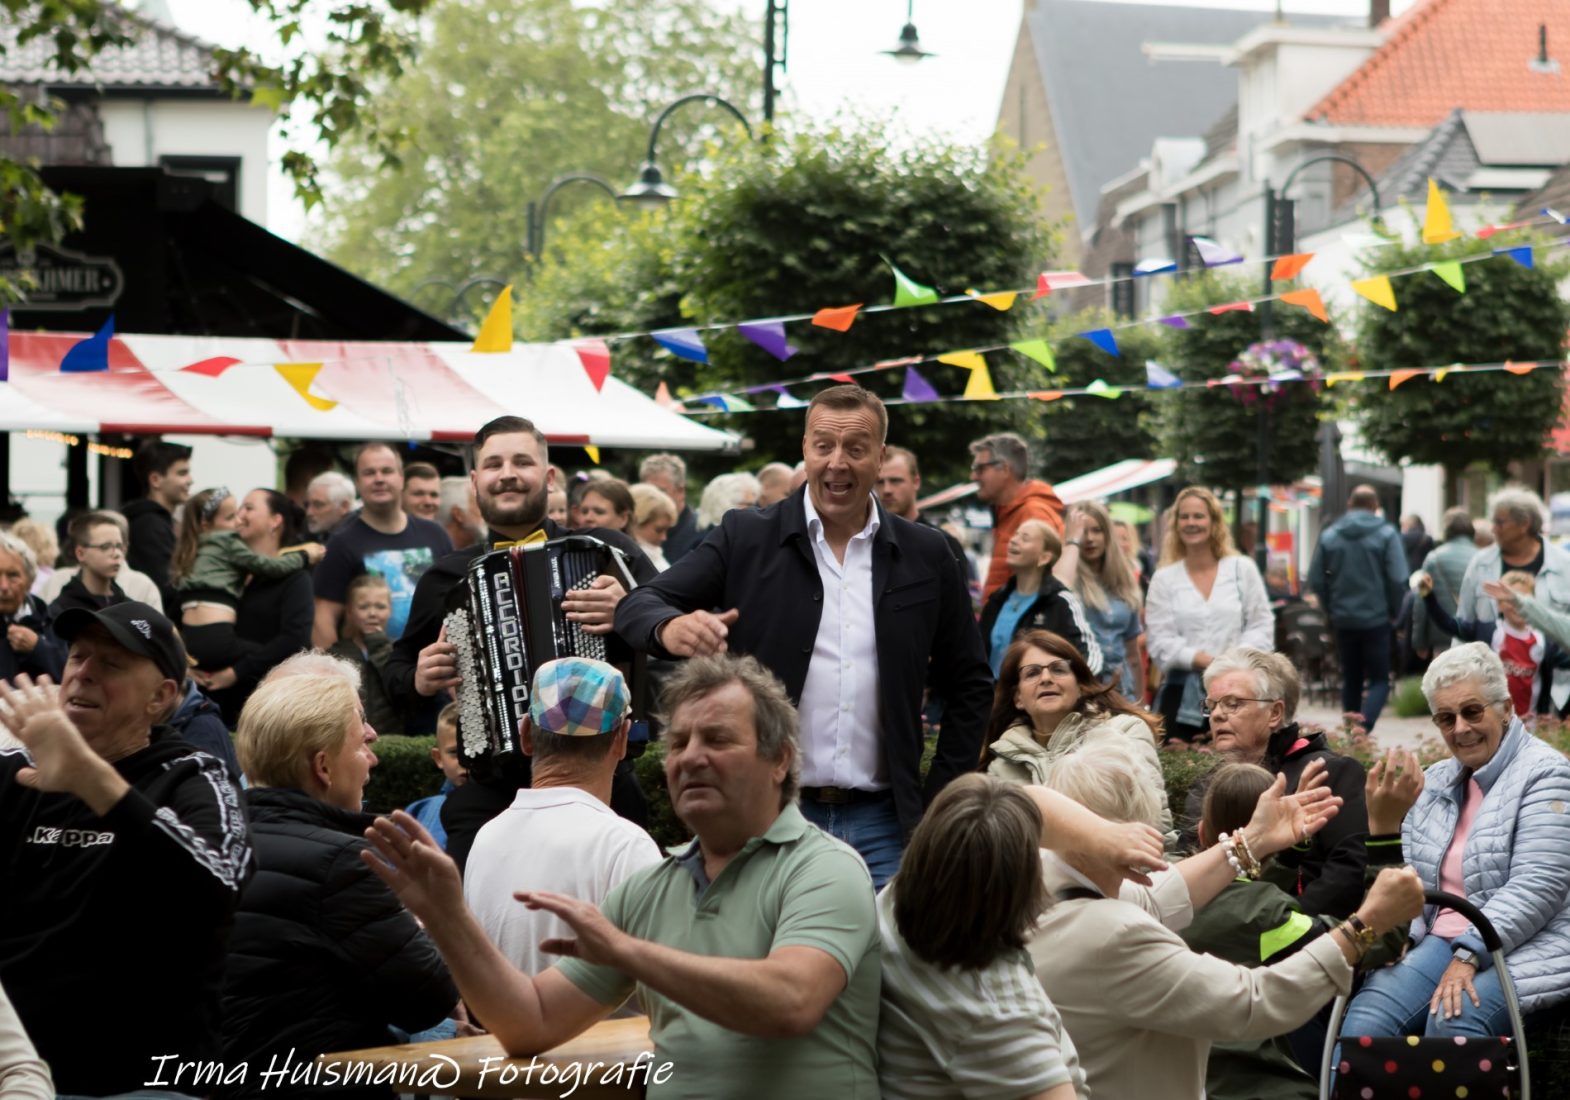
152,544
114,928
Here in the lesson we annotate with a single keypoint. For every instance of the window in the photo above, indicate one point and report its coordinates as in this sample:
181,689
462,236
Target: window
222,172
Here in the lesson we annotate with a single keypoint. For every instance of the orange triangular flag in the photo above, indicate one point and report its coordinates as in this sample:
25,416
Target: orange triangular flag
838,318
496,332
1399,376
1309,299
1377,290
1231,307
1520,368
1045,395
1289,267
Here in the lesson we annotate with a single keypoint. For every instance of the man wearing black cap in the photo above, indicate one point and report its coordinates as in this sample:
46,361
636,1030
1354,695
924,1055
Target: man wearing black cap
126,851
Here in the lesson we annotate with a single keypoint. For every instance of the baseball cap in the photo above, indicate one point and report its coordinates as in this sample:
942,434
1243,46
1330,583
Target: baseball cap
137,627
578,697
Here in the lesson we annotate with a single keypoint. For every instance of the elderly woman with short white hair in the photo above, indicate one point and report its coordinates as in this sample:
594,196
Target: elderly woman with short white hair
724,494
1251,701
1141,1007
1492,826
30,644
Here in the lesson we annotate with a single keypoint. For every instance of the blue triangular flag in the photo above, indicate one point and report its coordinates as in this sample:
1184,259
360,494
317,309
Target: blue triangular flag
770,336
1103,339
1154,267
917,388
1556,215
683,342
91,354
1521,254
1158,377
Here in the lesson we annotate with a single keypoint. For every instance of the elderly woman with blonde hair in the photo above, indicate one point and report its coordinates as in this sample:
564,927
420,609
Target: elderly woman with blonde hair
1142,1008
323,956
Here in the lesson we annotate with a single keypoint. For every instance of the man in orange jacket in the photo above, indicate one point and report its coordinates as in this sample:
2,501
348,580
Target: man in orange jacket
998,467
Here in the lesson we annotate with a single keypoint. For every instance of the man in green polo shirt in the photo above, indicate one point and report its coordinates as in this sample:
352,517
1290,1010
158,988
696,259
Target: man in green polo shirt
754,949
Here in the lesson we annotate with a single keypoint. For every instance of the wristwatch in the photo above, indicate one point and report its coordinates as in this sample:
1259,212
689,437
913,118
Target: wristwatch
1468,956
1072,542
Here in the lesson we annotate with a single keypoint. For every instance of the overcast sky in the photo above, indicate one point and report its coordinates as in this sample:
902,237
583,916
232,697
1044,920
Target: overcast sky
834,58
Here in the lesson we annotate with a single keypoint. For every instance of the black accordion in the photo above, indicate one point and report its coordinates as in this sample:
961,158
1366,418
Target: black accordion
506,619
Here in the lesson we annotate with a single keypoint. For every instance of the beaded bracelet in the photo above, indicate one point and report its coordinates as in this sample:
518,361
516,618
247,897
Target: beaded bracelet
1241,860
1247,854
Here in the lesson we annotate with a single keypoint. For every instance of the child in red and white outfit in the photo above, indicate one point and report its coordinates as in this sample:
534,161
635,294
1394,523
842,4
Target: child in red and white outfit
1529,658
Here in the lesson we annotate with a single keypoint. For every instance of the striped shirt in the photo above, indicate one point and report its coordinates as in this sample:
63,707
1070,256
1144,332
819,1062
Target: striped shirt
987,1034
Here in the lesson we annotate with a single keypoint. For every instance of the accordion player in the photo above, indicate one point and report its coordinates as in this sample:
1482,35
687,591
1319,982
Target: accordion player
506,620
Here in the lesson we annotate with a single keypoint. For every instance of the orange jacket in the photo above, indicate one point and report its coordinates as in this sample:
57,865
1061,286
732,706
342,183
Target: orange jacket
1035,500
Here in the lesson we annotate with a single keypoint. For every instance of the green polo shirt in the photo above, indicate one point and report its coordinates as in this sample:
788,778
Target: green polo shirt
793,886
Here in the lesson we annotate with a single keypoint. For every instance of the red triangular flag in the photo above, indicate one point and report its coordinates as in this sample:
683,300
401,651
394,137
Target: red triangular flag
838,318
212,368
595,356
1232,307
1310,300
842,378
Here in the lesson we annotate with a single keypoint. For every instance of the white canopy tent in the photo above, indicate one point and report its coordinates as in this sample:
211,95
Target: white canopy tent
326,390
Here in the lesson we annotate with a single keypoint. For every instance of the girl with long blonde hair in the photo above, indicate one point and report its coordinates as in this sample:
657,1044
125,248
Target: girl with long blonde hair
1204,599
1094,567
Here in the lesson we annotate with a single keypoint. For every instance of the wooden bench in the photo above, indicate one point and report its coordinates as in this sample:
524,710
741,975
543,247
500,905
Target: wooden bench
613,1059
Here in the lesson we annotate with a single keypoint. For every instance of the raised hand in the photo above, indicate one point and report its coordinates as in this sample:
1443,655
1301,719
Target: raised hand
413,865
1391,790
1281,820
1129,849
596,939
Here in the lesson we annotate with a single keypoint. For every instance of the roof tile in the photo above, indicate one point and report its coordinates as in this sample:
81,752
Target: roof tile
159,56
1444,54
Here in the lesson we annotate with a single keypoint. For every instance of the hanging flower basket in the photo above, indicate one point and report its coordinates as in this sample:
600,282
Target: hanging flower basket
1269,371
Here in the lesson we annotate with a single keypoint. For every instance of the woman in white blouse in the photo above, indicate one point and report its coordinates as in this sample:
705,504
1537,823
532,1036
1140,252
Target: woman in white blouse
1204,599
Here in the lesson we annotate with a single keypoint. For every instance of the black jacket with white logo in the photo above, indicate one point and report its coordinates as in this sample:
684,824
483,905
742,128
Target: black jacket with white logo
113,929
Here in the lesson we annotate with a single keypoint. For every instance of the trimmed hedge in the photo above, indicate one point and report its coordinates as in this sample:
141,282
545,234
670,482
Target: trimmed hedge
403,773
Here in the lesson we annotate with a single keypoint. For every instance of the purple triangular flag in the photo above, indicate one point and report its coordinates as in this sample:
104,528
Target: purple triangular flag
683,342
1177,320
1103,339
917,388
1215,255
91,354
1521,254
5,345
770,336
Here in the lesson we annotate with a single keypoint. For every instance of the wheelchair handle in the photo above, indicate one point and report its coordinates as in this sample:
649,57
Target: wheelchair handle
1491,939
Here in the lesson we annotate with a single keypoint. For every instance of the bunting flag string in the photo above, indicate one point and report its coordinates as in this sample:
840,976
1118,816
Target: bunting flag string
918,391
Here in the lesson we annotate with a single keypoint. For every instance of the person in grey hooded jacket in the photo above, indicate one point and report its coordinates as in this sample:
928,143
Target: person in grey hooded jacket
1359,574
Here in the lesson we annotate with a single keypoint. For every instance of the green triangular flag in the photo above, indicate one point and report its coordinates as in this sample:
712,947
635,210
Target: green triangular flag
1451,272
738,405
1101,389
908,292
1039,351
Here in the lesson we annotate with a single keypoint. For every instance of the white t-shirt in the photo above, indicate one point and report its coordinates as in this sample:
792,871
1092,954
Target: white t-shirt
561,839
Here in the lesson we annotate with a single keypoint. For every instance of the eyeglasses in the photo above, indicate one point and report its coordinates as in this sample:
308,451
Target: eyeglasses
106,547
1229,704
1056,669
1472,712
978,467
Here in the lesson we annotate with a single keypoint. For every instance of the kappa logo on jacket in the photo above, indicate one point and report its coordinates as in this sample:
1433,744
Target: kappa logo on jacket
70,838
142,628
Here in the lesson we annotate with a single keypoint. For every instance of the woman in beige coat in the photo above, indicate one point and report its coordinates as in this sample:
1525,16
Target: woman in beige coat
1140,1006
1048,703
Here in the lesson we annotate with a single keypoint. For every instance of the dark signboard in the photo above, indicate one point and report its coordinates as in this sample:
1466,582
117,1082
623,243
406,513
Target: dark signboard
58,280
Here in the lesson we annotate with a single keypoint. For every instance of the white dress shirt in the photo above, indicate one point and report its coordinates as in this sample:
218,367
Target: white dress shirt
841,731
1181,623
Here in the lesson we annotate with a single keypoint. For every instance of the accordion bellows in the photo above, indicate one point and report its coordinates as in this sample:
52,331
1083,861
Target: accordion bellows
506,620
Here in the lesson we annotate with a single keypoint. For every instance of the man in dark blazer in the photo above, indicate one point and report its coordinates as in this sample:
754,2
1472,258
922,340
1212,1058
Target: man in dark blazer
849,606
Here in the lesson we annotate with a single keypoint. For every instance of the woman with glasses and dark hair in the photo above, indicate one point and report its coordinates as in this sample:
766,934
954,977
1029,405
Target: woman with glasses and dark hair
1493,826
1251,702
1048,703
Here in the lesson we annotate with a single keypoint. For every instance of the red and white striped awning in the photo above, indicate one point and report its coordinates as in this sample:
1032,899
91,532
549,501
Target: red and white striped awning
330,390
1105,482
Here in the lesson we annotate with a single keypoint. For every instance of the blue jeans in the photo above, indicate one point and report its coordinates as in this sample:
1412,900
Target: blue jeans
1394,1001
872,828
1365,656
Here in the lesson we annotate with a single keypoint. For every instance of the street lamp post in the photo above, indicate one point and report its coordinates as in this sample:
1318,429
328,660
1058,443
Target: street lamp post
651,190
776,45
539,210
1277,236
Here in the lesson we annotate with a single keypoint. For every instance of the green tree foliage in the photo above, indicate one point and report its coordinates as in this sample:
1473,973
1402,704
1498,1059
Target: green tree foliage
802,223
322,69
1212,433
1086,433
1508,312
508,96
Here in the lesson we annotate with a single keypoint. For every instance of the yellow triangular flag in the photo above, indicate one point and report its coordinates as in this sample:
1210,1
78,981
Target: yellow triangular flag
1343,376
300,376
1377,290
594,452
496,333
1437,228
979,388
1002,300
970,360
